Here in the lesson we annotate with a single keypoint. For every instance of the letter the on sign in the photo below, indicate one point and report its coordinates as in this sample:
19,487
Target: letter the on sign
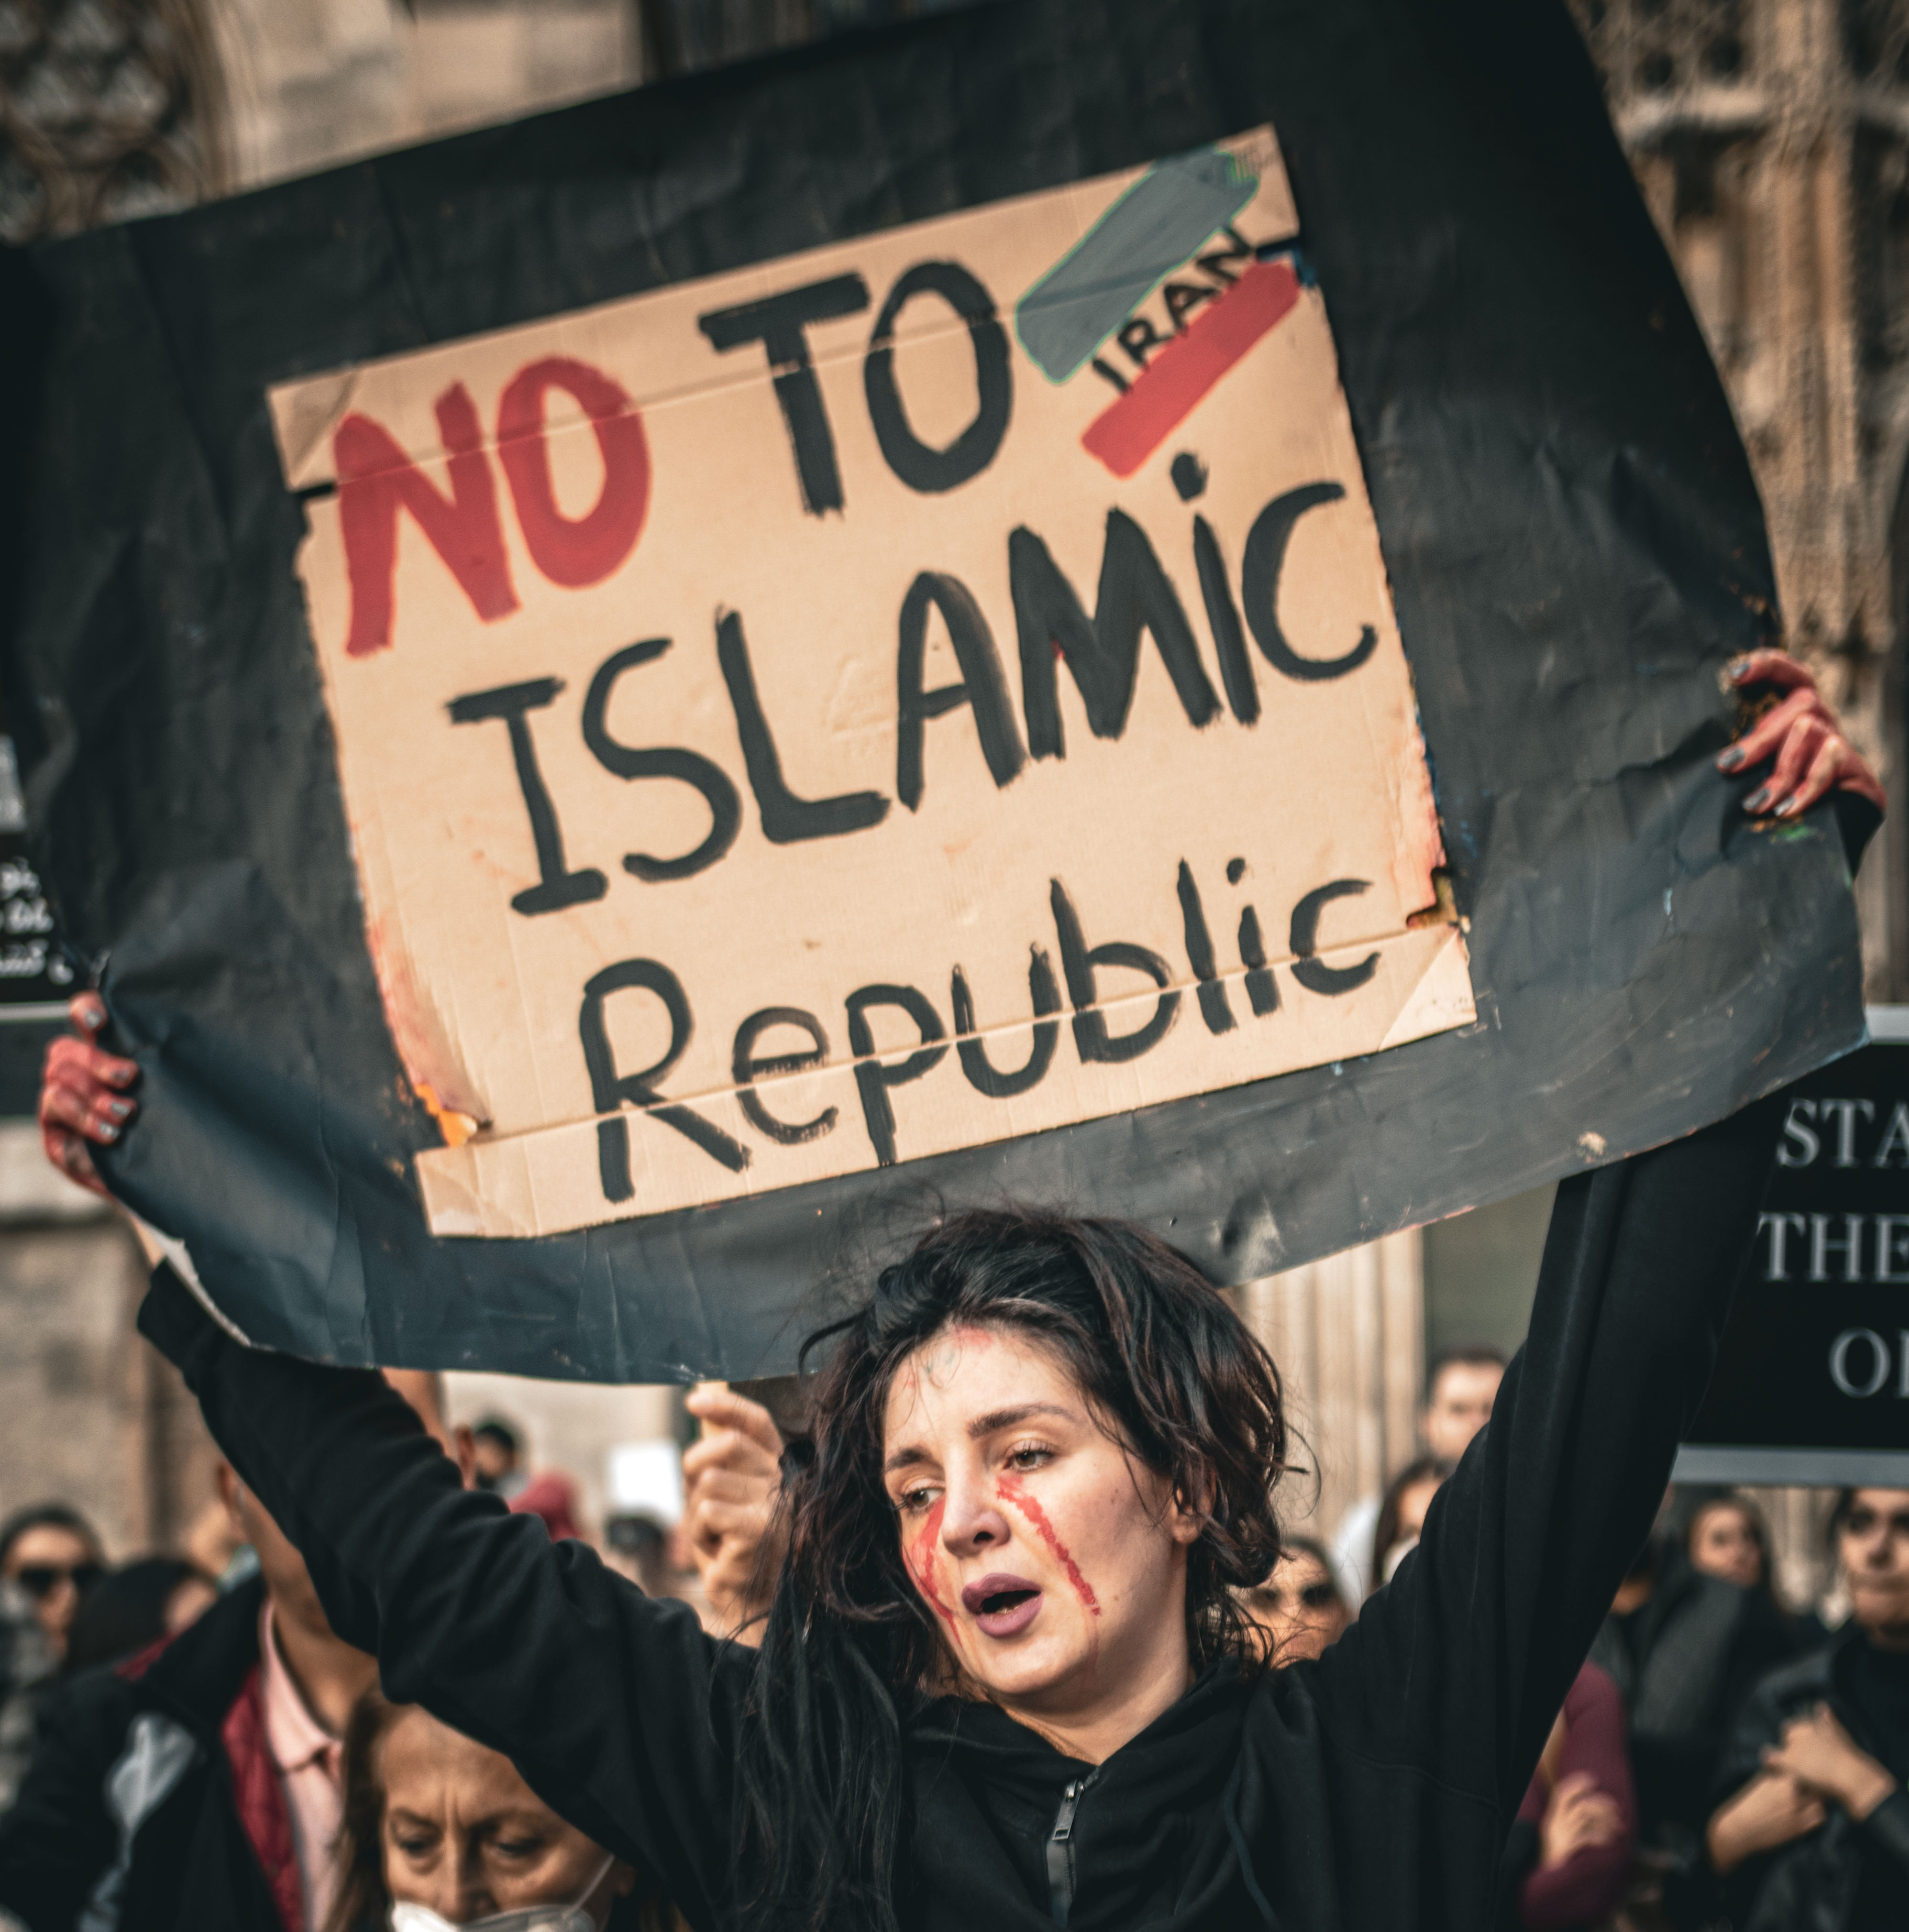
376,480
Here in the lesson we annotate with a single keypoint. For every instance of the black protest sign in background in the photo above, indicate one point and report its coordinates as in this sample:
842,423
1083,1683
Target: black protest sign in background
1812,1381
1568,529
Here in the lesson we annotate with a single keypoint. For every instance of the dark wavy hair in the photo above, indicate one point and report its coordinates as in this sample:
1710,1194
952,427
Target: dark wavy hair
850,1650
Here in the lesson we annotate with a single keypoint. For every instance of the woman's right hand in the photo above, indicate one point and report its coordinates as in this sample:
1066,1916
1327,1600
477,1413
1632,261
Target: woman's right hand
1579,1816
84,1095
1772,1809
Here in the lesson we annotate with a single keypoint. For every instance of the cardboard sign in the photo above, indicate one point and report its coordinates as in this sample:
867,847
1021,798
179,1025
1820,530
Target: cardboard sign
912,694
1812,1381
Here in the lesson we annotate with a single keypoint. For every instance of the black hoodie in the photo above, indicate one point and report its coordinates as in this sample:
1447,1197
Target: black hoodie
1372,1789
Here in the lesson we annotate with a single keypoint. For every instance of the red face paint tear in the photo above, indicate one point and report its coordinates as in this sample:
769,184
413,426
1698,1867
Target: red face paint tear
1010,1490
920,1558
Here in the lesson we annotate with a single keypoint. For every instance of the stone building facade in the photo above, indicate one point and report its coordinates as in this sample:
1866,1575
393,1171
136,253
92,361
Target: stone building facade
1771,140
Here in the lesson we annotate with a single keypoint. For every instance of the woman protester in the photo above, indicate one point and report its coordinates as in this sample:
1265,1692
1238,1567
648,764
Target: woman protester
1567,1862
1728,1538
1005,1679
439,1831
1815,1832
51,1554
1402,1513
1299,1606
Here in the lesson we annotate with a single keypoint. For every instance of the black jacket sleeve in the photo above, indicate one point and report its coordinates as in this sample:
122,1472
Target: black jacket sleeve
617,1709
56,1839
1887,1827
1460,1665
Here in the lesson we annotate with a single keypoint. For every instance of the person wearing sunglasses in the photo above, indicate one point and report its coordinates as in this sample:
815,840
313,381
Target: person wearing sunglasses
197,1784
48,1556
1299,1606
51,1554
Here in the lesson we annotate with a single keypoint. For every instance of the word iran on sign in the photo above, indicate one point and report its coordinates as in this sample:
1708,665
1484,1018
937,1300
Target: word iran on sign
925,691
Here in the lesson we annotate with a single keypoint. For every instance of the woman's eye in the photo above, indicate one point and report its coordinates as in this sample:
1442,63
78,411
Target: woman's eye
912,1502
1030,1456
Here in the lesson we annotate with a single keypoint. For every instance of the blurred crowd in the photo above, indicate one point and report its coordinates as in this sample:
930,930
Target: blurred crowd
183,1741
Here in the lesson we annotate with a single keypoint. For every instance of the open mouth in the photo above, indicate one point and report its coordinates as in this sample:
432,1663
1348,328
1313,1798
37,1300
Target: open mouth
1002,1605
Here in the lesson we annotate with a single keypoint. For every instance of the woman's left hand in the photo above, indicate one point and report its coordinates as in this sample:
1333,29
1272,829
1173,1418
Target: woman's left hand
1578,1817
1822,1756
732,1478
1803,735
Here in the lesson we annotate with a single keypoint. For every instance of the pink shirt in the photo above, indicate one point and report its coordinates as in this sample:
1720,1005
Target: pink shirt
308,1757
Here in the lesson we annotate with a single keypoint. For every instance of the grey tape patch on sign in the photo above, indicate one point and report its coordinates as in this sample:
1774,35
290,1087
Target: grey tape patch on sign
1147,234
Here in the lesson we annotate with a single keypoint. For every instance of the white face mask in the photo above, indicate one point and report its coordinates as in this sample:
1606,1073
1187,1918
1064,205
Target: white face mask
406,1917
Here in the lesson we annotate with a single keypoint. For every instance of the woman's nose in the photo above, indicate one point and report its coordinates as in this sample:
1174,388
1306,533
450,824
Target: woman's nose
460,1892
972,1518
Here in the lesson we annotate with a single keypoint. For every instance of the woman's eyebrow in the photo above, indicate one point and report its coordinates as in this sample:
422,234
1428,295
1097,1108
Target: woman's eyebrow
982,1425
1008,1418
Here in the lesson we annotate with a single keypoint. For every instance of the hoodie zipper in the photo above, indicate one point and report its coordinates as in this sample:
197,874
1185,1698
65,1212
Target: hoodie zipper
1060,1850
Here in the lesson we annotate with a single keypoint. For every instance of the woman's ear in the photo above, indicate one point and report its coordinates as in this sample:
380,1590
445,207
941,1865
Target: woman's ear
1186,1520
